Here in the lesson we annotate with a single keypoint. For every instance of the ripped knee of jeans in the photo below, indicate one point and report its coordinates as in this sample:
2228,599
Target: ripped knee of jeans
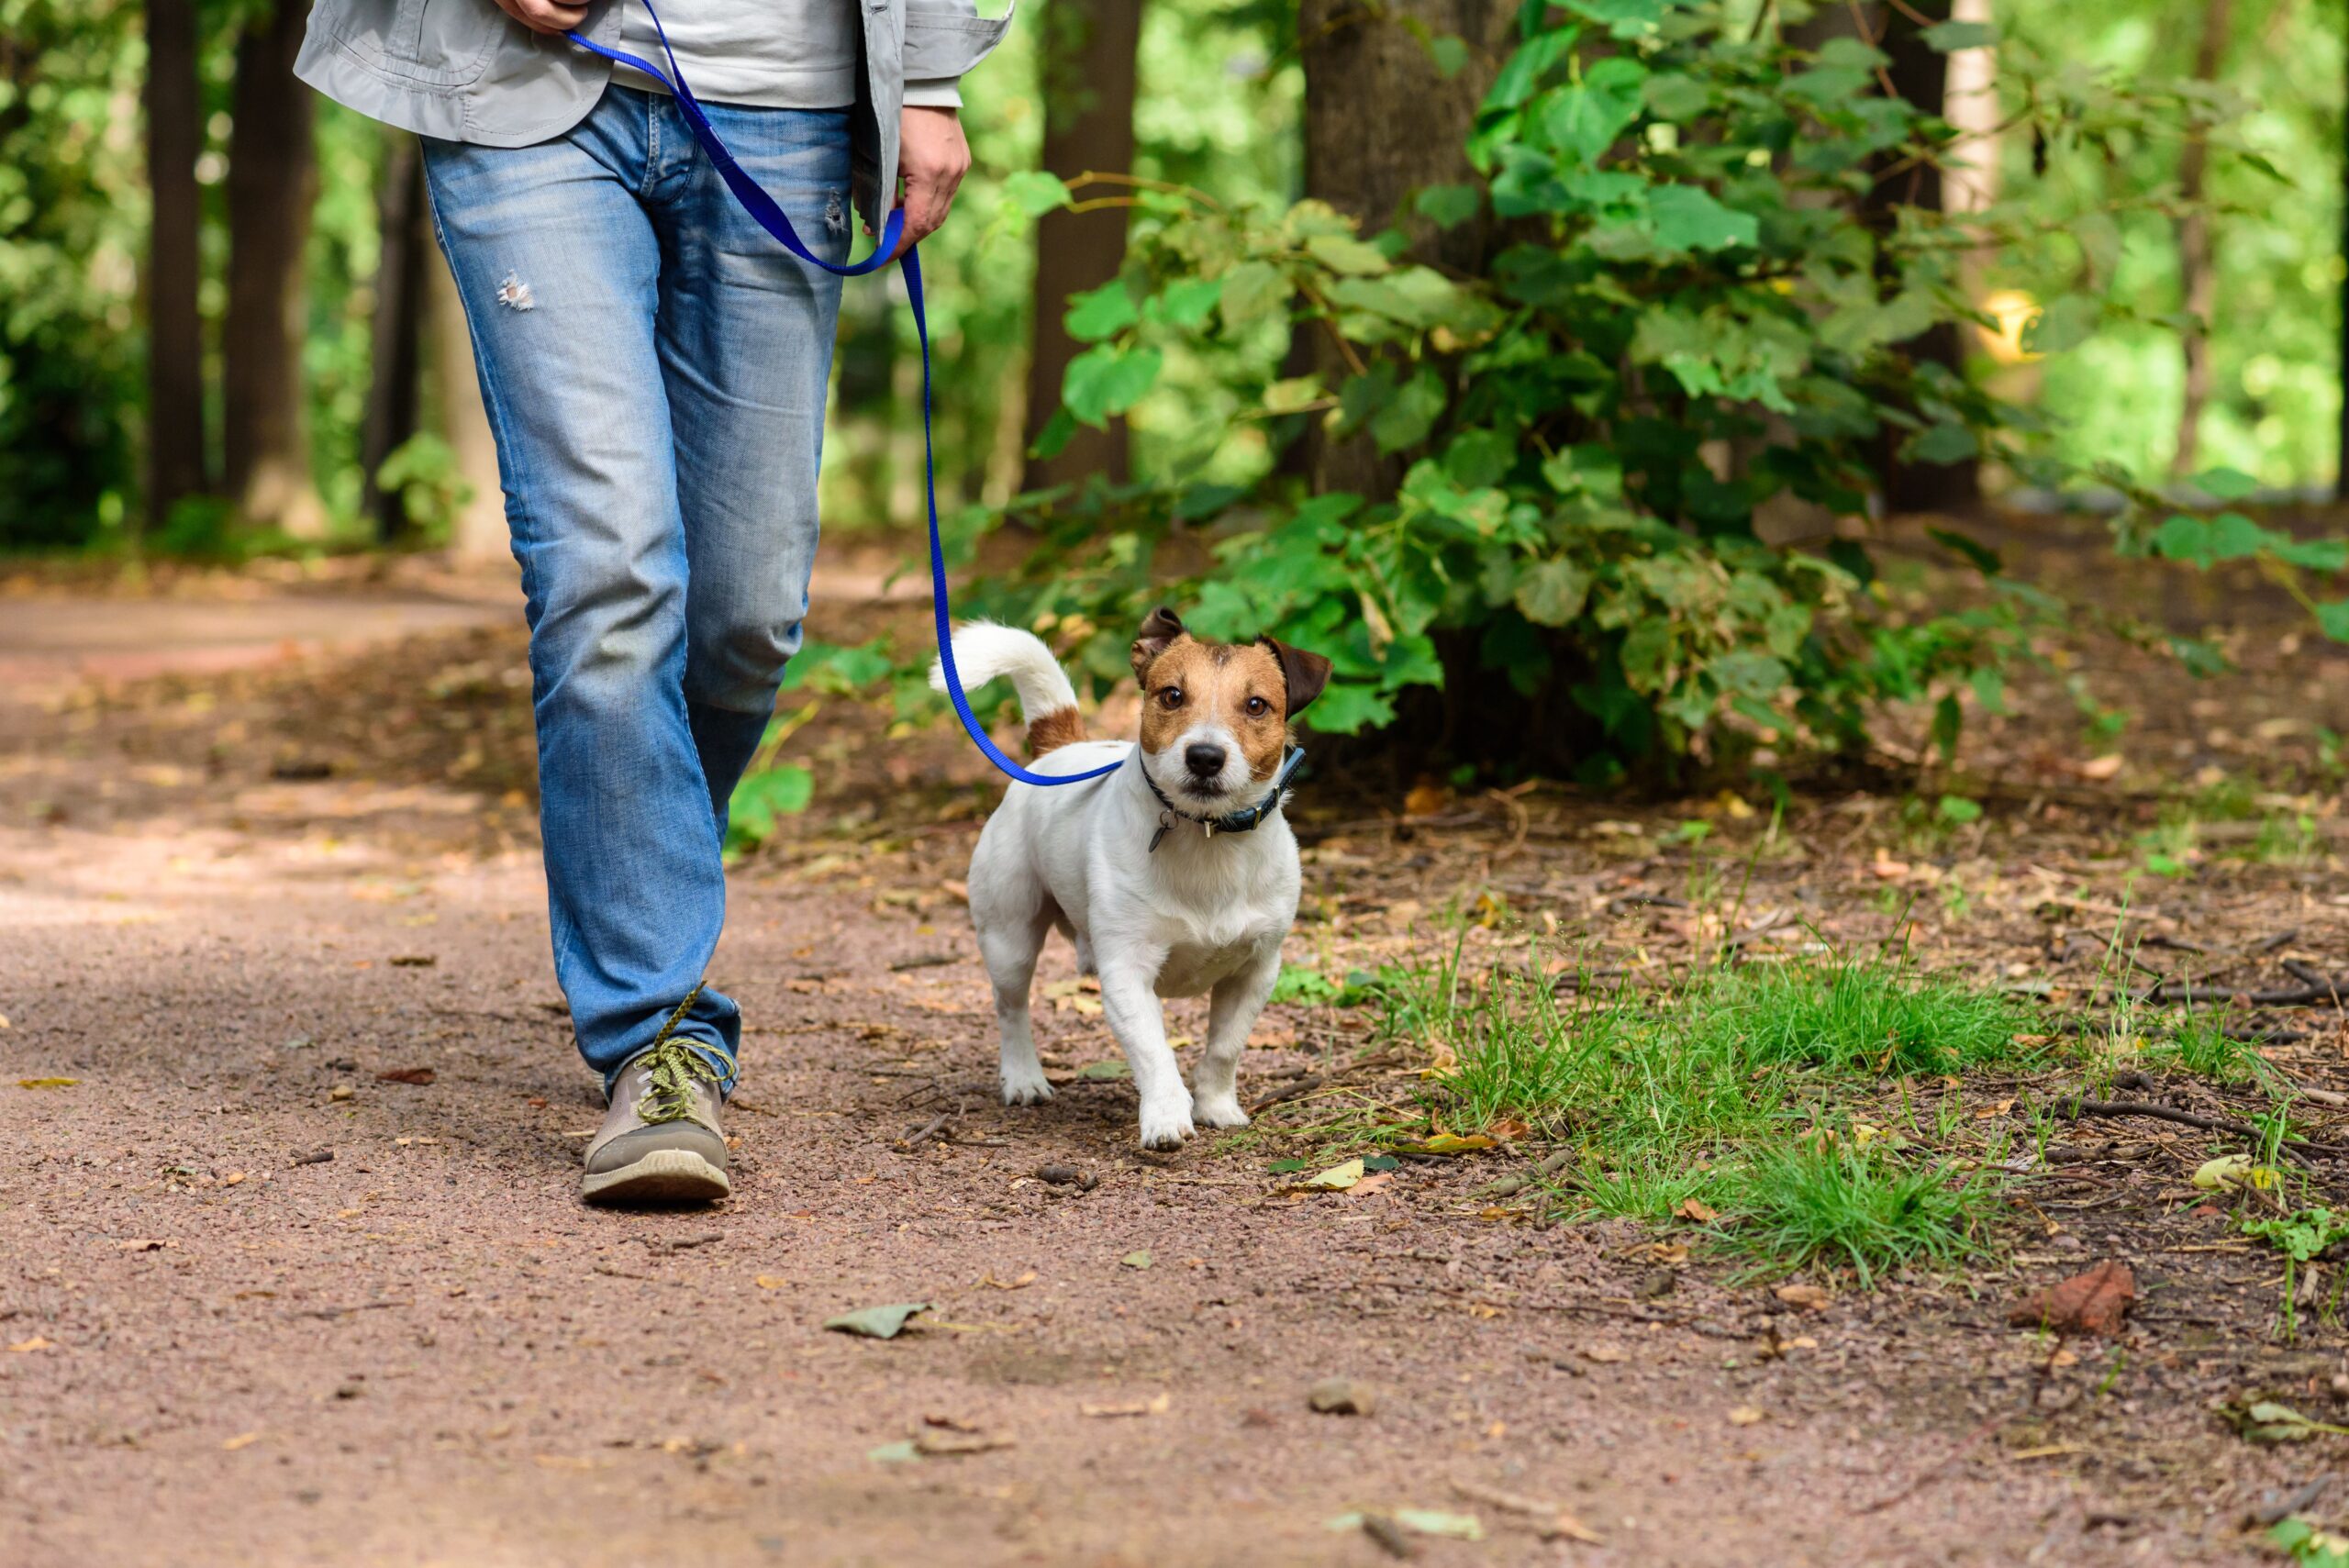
835,214
515,295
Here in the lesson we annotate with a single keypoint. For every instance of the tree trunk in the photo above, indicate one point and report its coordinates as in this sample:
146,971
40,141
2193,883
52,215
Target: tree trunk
1088,88
271,178
1381,123
175,467
391,417
479,534
2197,278
1920,74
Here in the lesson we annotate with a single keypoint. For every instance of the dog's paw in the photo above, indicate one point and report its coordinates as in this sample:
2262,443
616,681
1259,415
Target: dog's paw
1165,1127
1026,1088
1219,1111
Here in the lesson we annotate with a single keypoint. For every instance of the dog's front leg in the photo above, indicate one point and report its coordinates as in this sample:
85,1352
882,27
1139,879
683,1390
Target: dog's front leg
1232,1008
1129,1001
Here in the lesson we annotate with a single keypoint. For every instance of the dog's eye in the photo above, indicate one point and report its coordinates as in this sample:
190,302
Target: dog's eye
1170,697
1257,708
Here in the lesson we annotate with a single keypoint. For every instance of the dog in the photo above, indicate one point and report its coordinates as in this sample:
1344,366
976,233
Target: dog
1174,875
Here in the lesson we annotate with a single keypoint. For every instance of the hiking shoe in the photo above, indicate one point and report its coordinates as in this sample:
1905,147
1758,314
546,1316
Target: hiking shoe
659,1142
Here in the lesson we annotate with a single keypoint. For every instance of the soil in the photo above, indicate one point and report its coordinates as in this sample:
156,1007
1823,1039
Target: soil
292,1267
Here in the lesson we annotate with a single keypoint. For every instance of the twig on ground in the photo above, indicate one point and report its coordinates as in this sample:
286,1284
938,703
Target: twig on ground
1933,1472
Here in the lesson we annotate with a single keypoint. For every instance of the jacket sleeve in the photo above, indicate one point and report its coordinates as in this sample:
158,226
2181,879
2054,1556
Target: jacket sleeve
943,39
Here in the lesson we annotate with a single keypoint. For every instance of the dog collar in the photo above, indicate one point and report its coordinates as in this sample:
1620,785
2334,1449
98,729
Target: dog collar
1241,821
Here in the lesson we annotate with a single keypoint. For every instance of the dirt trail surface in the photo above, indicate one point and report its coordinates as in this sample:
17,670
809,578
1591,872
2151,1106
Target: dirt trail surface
292,1269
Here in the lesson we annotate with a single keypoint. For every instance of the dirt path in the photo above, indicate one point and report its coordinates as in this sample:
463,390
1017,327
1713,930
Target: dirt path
249,1317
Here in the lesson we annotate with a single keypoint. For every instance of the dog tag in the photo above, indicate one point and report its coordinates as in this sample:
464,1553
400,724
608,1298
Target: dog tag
1154,837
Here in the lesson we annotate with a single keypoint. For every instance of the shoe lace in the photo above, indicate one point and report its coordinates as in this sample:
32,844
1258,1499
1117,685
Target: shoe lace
672,1068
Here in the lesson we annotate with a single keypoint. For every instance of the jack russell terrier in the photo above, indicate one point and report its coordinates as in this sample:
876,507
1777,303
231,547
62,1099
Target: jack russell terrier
1174,875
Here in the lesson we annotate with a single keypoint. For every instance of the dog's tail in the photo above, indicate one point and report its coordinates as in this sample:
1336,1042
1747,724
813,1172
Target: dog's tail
984,650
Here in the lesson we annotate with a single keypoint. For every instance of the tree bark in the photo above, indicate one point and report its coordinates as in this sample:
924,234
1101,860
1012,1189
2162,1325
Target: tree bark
175,466
271,179
1089,48
393,349
2197,277
1381,123
1920,74
479,534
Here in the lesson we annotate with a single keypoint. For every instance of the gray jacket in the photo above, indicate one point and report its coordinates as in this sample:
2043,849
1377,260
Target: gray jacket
464,71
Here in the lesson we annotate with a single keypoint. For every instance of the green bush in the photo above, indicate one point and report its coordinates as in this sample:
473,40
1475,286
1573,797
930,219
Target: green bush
1701,319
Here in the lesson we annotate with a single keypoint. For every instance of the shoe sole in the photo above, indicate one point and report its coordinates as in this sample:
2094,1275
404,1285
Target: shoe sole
664,1175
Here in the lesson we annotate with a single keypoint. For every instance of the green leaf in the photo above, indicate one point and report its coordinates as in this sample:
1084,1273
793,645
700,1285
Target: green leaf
1035,192
1103,1071
1947,441
1448,206
2332,619
1345,707
1957,809
1345,253
1522,73
1584,121
1984,558
877,1323
1099,313
1410,414
1106,379
1253,291
1186,303
1688,218
1552,593
2225,483
1622,18
1951,37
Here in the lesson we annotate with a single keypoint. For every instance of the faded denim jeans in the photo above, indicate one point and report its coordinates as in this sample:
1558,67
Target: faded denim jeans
654,368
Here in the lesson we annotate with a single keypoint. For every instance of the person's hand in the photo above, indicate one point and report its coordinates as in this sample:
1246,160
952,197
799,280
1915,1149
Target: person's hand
548,17
932,158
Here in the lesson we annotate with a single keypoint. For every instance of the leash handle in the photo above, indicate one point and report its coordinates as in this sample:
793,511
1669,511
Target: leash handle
776,222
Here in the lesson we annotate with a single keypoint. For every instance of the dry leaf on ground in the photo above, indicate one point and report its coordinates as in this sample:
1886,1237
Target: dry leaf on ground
2090,1303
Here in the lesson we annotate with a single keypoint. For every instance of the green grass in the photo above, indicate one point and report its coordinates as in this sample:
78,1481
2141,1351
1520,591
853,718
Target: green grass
1738,1089
1835,1206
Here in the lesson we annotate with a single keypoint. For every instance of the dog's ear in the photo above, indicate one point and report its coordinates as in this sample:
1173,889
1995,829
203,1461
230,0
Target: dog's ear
1306,674
1157,634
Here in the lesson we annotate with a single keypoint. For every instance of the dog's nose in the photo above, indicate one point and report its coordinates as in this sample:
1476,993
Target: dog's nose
1204,759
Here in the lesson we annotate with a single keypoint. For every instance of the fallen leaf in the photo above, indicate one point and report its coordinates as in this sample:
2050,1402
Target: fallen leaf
1888,869
143,1244
877,1323
949,1423
1746,1416
232,1178
1371,1186
1336,1179
1549,1520
1104,1070
47,1083
2269,1422
1605,1355
2090,1303
1137,1259
2230,1172
1452,1143
1342,1396
944,1443
1810,1297
242,1440
901,1452
1699,1210
1023,1283
1420,1521
770,1281
417,1075
415,960
1424,800
1156,1405
562,1461
2096,770
25,1347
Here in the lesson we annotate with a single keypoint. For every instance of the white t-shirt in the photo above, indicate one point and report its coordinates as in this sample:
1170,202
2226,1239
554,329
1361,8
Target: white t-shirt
773,54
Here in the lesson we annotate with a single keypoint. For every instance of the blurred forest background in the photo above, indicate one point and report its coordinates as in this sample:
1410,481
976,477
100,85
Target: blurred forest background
222,324
1592,345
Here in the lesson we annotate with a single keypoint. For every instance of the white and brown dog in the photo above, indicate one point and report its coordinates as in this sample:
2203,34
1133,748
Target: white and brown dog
1174,875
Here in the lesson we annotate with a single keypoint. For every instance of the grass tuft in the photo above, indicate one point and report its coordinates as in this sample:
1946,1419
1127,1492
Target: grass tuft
1836,1205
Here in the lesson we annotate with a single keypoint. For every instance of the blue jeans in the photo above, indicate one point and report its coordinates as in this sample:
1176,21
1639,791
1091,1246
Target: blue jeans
654,368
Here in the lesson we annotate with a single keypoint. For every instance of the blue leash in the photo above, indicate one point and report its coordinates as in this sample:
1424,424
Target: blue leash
771,218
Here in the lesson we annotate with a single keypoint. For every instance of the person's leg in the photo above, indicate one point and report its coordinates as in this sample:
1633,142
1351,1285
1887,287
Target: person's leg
556,260
746,350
